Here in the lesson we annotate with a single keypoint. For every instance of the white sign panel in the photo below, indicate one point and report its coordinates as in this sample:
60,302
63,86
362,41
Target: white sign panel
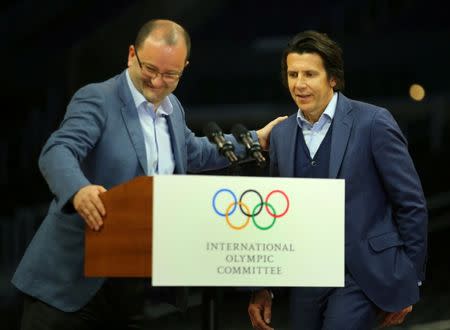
247,231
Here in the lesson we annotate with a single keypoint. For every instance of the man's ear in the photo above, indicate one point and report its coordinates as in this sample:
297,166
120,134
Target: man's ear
131,54
333,82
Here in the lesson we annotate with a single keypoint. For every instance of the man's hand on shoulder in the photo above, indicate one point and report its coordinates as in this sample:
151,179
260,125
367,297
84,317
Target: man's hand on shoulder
89,205
264,133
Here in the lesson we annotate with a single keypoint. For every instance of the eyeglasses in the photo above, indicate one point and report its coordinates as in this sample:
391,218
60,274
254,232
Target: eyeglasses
153,73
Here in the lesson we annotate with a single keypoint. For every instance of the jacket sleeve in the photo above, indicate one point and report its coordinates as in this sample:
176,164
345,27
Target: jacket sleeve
199,152
403,187
62,155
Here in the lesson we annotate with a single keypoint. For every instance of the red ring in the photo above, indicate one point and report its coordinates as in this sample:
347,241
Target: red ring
267,201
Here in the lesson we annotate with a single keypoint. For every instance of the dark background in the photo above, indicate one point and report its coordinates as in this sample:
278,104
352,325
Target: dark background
49,49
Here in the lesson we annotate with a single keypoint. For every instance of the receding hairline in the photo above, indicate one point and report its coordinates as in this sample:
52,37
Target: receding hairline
168,32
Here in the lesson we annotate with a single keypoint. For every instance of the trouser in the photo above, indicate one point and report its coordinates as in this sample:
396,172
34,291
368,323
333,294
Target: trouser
119,304
346,308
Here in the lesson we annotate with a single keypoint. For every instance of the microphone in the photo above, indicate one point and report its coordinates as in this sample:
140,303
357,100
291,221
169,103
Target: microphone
253,148
215,135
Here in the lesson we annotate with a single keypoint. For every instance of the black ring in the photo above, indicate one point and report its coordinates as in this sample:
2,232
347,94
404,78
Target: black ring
260,198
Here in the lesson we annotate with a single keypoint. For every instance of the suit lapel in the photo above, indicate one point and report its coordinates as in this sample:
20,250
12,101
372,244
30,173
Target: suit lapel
342,126
131,119
175,141
291,143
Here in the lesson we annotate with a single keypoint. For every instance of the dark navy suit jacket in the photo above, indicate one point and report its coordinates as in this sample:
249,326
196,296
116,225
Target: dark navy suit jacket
100,141
385,210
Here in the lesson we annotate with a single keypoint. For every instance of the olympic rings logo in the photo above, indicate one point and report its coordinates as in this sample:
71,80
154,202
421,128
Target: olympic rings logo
245,209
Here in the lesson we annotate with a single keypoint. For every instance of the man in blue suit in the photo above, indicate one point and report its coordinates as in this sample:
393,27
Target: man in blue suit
127,126
332,136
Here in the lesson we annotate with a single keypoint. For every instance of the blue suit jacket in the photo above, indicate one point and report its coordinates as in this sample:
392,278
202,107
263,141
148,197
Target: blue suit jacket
385,210
100,141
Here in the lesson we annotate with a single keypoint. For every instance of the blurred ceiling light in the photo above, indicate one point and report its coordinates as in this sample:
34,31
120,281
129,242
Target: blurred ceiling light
416,92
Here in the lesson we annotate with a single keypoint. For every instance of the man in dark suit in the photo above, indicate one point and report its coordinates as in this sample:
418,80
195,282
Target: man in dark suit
127,126
332,136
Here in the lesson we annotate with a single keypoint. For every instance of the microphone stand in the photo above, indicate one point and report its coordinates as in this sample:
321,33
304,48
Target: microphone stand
212,297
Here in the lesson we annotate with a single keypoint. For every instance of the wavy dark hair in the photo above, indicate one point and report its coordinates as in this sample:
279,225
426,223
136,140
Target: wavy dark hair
318,43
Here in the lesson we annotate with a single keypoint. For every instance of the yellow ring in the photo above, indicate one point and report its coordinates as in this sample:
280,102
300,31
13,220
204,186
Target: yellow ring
228,220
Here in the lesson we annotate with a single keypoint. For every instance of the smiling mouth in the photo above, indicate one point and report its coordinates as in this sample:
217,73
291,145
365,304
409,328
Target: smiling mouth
303,97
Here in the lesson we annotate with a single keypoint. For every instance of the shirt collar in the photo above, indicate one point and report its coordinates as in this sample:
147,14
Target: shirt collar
328,113
165,108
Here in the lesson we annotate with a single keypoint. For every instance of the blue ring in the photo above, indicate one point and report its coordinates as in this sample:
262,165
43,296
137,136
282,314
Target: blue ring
214,201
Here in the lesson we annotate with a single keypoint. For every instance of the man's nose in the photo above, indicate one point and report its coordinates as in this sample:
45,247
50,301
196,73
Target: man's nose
158,80
300,82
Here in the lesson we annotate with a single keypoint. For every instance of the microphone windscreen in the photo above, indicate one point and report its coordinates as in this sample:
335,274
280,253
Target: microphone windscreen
238,130
211,129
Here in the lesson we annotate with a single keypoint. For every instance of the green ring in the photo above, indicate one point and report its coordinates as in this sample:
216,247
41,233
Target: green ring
253,216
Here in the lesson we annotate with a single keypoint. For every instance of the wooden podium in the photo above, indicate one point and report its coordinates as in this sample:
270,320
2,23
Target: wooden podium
123,246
